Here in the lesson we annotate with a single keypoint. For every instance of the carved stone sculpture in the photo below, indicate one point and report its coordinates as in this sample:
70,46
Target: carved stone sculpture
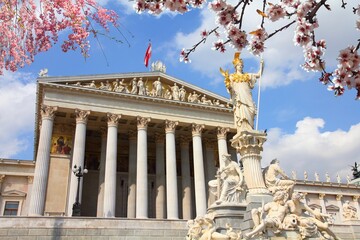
309,222
203,228
272,182
157,88
134,88
175,92
275,214
141,87
349,212
182,93
230,181
240,86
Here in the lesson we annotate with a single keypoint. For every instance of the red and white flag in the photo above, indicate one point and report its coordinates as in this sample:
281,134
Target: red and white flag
147,55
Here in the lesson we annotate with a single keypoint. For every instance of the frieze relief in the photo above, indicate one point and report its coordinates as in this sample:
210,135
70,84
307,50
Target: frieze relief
153,88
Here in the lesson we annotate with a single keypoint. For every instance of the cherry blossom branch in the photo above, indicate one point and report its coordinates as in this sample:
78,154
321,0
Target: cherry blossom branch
281,29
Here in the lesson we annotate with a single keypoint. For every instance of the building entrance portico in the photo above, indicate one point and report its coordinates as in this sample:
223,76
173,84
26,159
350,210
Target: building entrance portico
142,161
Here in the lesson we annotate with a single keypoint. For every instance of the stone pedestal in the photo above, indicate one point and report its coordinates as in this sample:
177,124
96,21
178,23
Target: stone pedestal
249,145
232,214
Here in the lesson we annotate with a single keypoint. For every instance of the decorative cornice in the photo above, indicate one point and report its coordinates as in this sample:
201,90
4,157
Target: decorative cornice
81,116
170,126
113,119
197,129
142,122
48,112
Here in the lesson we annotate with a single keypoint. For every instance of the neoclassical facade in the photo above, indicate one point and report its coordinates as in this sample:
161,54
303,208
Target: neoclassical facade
149,142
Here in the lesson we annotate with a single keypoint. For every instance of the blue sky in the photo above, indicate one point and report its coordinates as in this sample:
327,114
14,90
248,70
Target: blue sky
309,129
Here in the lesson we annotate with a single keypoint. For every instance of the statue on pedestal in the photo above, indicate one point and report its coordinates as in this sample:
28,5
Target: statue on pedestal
230,181
240,86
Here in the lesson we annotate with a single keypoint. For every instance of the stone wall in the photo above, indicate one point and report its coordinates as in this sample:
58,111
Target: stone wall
64,228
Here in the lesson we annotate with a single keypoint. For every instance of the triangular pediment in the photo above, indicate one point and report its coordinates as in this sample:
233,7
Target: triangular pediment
13,193
152,85
315,206
332,208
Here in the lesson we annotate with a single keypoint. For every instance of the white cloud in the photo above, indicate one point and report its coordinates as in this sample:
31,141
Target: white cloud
17,107
309,149
282,58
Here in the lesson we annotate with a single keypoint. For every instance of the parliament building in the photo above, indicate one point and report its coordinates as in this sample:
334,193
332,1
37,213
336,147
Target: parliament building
134,152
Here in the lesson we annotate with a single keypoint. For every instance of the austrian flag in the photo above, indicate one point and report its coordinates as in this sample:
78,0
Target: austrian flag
147,55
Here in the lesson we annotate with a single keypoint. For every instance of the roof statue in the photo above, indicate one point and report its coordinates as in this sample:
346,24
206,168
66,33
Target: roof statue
240,85
356,172
43,72
158,66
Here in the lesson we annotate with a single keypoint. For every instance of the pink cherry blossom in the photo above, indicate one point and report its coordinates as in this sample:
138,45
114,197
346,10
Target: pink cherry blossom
25,32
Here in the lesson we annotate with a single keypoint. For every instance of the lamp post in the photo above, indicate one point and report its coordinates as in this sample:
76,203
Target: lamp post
79,174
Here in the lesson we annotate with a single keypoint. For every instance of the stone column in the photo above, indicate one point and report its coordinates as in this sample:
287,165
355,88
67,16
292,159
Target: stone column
30,181
222,144
78,156
210,160
340,205
37,201
210,168
185,178
160,203
249,145
2,177
131,212
199,174
171,174
142,171
356,204
111,165
100,202
322,202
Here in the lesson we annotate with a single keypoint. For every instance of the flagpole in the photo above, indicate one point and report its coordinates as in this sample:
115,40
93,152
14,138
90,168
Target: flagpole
258,101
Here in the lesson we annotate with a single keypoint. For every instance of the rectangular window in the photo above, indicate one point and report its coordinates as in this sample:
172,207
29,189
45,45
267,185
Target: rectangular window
11,208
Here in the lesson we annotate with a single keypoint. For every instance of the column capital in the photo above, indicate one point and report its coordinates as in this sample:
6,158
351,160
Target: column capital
159,137
2,177
30,179
209,143
338,197
222,132
321,196
142,122
81,115
184,141
113,119
48,112
132,135
355,198
197,129
170,126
